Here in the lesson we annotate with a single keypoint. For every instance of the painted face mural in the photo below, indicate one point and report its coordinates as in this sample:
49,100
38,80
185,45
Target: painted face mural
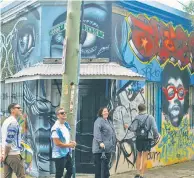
175,93
95,37
23,39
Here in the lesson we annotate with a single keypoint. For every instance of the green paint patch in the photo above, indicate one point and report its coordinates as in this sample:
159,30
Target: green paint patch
62,26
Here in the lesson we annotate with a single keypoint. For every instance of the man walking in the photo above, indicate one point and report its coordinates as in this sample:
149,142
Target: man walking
146,131
11,143
61,145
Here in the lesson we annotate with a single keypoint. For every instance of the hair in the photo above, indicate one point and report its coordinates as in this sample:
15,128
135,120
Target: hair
171,71
101,110
11,106
141,107
58,109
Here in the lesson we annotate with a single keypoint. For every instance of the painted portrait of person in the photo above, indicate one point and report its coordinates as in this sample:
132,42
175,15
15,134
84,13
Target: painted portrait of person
95,37
175,97
26,52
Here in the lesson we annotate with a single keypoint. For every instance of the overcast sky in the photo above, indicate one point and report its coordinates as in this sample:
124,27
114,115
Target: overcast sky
172,3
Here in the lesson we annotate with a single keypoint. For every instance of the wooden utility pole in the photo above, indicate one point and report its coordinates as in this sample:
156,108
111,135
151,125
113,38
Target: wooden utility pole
71,64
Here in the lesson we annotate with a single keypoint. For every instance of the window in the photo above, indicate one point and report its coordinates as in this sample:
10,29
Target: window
153,101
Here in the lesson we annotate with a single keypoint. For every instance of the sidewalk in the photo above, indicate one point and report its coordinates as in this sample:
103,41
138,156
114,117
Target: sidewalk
182,170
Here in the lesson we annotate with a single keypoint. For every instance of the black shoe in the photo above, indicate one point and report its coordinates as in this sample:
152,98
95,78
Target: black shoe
137,176
141,177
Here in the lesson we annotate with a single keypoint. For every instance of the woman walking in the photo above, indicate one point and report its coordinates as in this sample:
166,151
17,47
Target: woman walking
104,141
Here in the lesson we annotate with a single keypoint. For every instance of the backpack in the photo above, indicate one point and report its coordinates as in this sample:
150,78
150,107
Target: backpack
142,130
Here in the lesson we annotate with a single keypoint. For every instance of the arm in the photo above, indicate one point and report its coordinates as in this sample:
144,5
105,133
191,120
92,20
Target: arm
154,128
59,143
97,132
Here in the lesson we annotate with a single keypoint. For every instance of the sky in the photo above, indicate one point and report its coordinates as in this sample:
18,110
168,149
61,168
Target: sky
171,3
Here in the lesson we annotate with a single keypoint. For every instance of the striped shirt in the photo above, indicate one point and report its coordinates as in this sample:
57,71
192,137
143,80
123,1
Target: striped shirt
11,136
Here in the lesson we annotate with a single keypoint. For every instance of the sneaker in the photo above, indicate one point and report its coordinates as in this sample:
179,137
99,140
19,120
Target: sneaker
137,176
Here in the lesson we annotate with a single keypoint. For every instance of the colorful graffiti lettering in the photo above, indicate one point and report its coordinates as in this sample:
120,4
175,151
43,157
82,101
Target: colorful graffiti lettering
153,38
177,143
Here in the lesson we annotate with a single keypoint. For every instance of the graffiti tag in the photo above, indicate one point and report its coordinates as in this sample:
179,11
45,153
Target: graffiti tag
154,156
153,38
176,144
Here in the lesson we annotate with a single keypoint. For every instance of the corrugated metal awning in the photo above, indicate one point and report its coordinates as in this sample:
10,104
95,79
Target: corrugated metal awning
87,71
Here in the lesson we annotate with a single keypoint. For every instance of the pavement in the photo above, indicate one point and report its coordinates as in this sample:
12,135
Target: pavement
181,170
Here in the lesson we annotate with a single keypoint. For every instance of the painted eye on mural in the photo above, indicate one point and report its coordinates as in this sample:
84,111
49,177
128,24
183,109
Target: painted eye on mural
26,40
59,38
171,92
89,36
181,92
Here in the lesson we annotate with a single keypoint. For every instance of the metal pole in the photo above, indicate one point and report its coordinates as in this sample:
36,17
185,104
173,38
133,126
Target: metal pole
70,78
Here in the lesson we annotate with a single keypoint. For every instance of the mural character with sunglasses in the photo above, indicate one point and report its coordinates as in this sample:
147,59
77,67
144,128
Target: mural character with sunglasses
175,93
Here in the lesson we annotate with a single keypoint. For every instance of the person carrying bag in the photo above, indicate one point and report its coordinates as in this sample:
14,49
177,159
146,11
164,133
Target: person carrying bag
147,136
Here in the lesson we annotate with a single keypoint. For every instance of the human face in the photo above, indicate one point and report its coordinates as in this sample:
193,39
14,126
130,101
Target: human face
61,116
175,93
105,113
16,110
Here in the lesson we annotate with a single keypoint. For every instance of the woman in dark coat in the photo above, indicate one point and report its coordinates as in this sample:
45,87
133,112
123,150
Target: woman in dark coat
104,140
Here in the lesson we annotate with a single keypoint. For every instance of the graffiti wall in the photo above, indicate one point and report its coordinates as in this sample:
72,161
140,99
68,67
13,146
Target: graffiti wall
25,41
163,52
125,98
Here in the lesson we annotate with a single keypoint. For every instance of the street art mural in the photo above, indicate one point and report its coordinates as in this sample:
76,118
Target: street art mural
95,36
21,49
163,53
143,44
175,100
23,46
150,37
177,142
125,98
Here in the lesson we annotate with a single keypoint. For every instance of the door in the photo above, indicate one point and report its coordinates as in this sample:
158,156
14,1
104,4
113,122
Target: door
91,98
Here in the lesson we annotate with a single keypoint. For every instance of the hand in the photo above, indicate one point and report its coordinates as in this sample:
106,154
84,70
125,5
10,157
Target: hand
72,144
102,145
126,126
